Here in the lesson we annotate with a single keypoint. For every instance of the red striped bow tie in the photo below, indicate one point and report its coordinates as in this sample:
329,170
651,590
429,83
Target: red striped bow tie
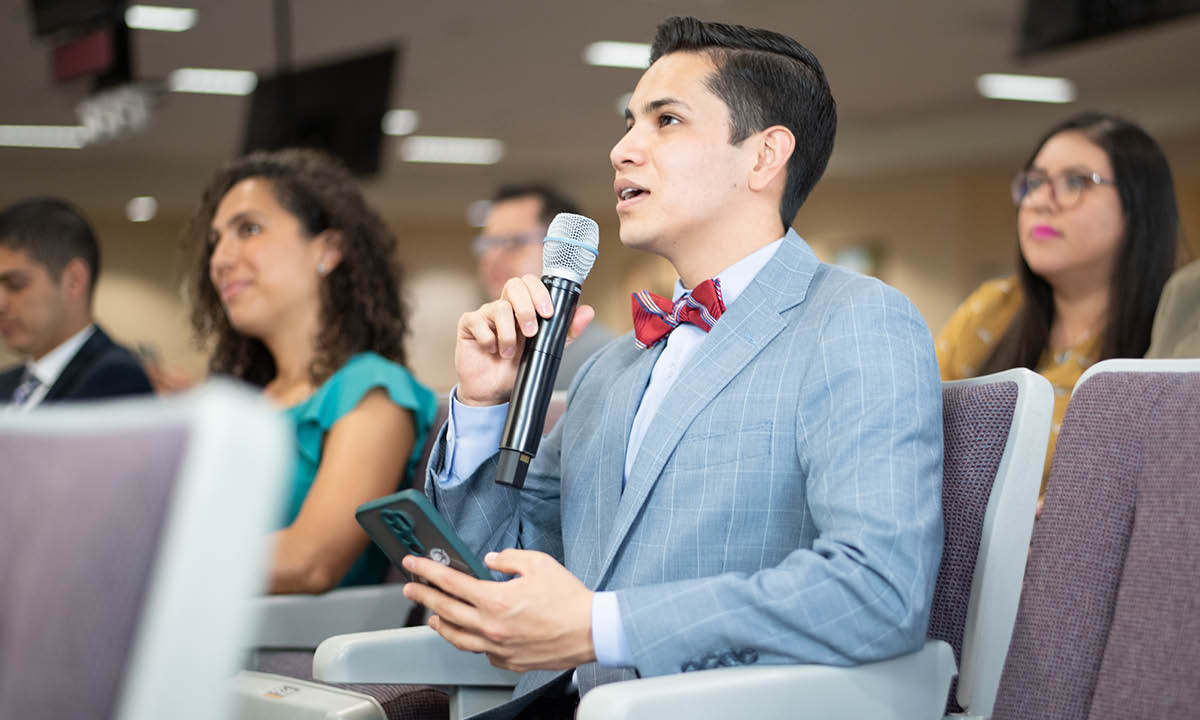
654,316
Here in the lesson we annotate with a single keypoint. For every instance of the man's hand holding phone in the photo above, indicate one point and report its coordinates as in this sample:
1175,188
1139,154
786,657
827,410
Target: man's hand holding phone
539,620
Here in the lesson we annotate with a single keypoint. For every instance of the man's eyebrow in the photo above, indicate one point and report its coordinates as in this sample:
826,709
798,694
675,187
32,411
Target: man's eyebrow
11,275
660,103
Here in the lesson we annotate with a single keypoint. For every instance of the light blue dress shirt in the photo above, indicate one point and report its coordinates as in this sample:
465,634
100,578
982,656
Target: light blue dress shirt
474,433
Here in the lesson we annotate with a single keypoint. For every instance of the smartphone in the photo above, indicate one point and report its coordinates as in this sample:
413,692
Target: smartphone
406,523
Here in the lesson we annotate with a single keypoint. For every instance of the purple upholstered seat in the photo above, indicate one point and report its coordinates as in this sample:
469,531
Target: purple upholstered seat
976,421
132,537
80,522
1109,622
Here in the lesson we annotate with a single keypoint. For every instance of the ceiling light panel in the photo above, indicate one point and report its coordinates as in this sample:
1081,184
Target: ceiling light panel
618,54
211,81
1027,88
158,17
70,137
454,150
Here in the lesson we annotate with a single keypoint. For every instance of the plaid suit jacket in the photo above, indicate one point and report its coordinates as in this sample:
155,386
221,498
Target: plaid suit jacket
786,505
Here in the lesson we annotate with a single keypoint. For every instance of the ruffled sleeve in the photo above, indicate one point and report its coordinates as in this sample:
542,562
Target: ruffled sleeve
346,388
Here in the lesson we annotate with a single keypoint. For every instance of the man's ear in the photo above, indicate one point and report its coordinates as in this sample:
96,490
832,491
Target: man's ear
775,147
76,279
329,250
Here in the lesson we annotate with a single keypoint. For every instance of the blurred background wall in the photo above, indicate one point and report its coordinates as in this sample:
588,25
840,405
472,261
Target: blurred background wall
916,193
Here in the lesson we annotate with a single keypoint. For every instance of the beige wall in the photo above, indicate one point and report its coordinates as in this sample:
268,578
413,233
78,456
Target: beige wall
936,234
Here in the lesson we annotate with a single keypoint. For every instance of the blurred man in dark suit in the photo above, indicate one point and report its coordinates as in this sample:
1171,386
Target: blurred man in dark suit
49,261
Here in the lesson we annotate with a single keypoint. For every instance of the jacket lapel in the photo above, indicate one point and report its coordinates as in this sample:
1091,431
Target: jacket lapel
741,333
620,408
84,357
8,383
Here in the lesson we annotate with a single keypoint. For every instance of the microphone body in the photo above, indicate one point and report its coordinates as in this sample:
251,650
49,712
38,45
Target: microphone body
569,252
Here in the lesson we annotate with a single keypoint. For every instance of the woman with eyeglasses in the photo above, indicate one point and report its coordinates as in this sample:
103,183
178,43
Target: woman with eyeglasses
295,282
1097,229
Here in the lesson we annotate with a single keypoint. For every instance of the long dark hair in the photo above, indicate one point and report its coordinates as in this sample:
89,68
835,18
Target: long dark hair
1147,255
361,303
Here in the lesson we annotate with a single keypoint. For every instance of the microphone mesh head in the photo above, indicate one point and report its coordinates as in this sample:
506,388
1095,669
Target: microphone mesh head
572,244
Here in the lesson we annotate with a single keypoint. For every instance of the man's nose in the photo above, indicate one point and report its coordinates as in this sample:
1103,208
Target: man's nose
627,151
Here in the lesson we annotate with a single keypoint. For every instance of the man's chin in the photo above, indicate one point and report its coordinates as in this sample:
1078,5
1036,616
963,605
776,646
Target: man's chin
14,344
636,238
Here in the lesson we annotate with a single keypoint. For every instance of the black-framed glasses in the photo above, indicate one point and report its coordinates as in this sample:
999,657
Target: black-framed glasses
1066,188
483,243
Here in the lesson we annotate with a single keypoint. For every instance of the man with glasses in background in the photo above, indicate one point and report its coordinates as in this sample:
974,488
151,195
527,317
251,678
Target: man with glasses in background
511,246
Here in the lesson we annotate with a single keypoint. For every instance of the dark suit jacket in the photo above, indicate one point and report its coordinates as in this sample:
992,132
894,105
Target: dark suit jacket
101,368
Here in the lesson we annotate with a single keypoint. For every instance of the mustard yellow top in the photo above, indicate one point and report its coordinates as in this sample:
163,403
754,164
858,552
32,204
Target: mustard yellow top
965,344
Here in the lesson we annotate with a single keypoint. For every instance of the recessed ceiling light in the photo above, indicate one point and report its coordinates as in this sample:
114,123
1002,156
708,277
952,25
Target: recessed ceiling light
70,137
455,150
211,81
1029,88
617,54
142,208
400,122
157,17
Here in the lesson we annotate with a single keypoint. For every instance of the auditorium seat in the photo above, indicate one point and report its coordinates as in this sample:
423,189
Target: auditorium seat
297,624
997,428
1109,621
132,537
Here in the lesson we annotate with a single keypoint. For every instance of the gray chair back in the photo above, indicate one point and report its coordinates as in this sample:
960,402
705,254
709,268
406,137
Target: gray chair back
80,522
133,534
1109,621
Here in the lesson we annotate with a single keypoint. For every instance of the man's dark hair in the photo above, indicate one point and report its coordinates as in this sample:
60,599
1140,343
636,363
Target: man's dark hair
553,201
53,233
765,79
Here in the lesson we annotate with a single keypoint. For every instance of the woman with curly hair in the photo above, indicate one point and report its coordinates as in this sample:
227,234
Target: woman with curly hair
295,283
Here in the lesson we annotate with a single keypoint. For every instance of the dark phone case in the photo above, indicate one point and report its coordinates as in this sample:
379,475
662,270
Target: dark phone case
407,523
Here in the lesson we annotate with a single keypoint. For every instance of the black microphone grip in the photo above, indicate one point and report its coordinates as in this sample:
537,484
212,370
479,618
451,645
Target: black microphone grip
535,382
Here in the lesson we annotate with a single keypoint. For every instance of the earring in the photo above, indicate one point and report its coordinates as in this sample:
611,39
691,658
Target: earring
321,269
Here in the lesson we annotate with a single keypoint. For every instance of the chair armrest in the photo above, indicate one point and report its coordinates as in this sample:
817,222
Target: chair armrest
303,621
416,655
909,687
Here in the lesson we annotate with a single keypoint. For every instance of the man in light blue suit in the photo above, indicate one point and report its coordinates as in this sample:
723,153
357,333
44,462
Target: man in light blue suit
761,483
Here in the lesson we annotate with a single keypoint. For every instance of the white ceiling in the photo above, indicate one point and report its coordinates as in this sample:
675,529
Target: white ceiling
902,72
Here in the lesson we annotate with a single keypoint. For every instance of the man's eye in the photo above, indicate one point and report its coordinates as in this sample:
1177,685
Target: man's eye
250,228
667,120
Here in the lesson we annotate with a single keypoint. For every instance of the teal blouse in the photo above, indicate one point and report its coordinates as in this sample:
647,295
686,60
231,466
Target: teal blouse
337,396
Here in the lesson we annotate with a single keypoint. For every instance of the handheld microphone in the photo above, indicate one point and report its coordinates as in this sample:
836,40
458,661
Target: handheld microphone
572,244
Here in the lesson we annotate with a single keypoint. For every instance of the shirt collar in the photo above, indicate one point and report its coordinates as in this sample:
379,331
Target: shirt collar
54,362
738,276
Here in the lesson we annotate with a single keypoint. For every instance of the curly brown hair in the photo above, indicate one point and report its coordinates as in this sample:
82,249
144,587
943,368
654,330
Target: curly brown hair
361,303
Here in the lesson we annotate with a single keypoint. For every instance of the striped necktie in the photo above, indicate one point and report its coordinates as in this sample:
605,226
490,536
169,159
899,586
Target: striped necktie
29,383
654,316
